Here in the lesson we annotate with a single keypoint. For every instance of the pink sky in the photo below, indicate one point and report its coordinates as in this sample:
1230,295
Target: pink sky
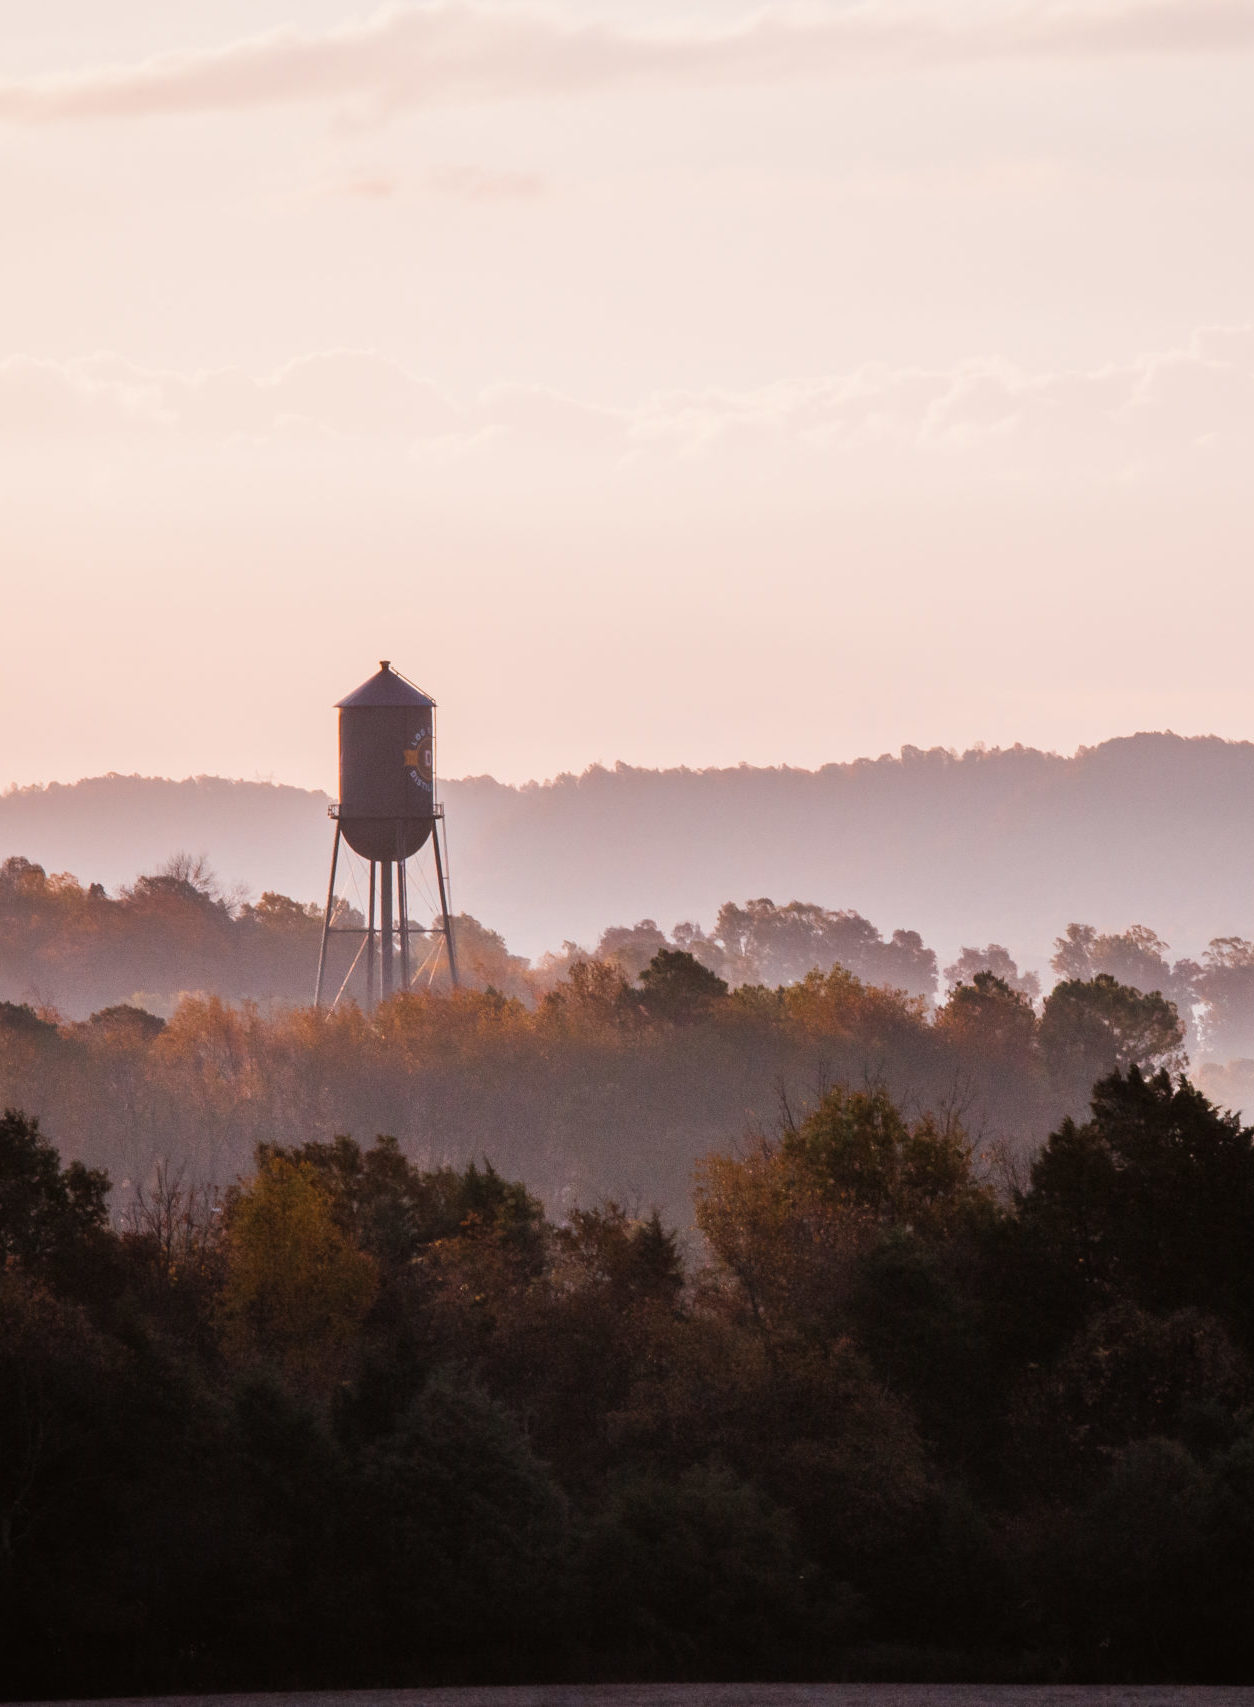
679,386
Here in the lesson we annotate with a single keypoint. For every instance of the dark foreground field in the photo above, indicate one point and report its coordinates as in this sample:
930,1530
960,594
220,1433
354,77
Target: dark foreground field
731,1695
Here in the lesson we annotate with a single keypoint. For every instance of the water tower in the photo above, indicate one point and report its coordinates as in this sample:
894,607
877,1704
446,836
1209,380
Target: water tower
387,812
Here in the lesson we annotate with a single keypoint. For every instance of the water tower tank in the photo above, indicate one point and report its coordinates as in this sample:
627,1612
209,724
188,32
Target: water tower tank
387,767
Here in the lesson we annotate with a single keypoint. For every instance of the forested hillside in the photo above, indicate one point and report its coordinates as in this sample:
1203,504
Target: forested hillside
360,1423
1002,846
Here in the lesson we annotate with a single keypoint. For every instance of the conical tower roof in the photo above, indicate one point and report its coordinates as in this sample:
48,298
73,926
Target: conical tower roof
387,687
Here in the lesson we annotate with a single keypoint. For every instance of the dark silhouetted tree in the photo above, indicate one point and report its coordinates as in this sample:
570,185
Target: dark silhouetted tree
678,989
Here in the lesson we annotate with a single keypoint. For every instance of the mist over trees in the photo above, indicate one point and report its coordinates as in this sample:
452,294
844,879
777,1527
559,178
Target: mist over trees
71,948
585,1057
74,946
1000,846
580,1076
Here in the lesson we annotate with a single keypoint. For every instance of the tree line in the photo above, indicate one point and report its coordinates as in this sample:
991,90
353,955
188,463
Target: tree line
360,1422
76,949
603,1086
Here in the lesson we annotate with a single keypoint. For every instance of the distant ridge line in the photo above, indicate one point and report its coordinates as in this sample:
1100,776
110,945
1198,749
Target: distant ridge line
1003,845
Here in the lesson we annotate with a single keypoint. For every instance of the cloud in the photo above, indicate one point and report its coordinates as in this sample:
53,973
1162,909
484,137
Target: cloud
364,186
459,182
482,184
1158,414
348,393
449,51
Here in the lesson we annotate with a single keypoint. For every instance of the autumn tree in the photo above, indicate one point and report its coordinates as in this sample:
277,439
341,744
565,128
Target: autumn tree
276,912
394,1211
297,1288
992,1023
593,999
790,1222
483,959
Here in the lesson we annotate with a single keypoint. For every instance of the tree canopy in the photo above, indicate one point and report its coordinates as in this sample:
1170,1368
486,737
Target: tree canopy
371,1422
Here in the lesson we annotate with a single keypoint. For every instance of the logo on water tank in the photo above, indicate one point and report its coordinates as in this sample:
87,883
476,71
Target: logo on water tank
420,760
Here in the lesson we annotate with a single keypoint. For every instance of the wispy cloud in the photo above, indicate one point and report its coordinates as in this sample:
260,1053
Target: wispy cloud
457,181
1164,410
449,51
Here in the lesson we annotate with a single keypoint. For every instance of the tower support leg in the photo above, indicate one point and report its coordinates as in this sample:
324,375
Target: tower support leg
444,912
371,943
386,928
326,918
402,902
